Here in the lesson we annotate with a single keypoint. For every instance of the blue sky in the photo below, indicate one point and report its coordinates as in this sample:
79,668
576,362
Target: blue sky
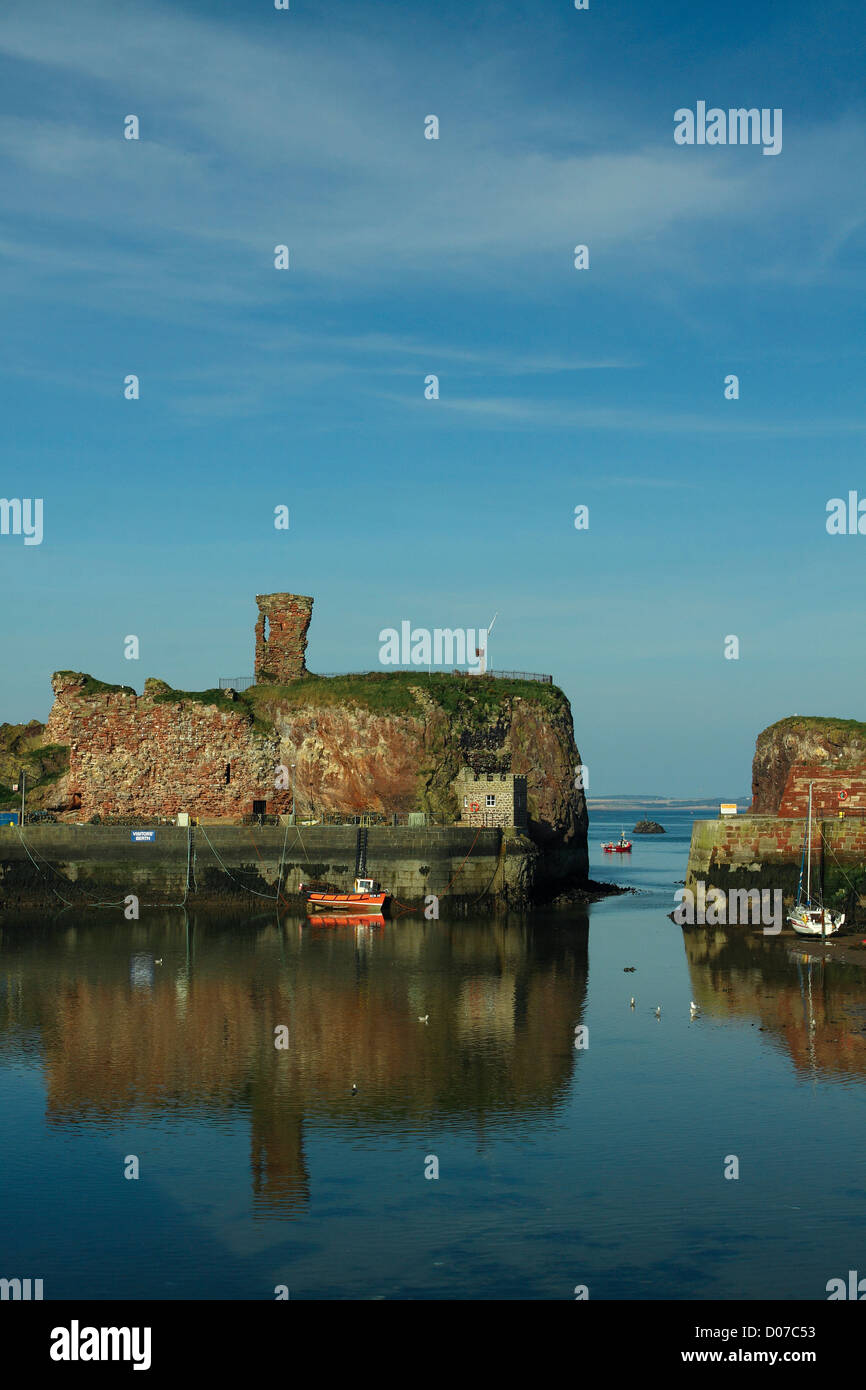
455,257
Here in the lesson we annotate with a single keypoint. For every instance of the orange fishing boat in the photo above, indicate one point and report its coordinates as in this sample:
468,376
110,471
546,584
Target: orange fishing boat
367,898
371,919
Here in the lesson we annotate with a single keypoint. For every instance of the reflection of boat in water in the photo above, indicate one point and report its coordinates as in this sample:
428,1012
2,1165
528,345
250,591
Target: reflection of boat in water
810,917
356,990
367,898
623,847
345,919
805,961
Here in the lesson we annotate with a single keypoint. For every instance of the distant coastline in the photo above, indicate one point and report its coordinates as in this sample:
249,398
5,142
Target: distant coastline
669,803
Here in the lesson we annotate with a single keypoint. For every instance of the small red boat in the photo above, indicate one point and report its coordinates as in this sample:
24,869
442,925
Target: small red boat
367,898
624,846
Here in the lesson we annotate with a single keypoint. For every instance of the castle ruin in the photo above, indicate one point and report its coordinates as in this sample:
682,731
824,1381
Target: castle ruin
281,637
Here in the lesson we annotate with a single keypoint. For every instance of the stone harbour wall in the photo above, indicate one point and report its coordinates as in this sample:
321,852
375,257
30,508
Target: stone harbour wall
84,864
766,852
833,789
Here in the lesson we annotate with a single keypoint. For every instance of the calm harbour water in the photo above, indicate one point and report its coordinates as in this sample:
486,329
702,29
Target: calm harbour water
557,1167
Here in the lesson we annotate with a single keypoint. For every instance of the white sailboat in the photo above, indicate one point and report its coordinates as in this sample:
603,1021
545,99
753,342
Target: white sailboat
809,917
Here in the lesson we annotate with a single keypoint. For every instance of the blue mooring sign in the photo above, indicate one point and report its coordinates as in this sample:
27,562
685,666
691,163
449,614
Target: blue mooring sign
143,836
8,817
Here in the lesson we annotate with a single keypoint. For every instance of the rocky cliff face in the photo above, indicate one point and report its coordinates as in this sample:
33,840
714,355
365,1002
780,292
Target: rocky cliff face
352,756
359,753
384,742
824,745
26,748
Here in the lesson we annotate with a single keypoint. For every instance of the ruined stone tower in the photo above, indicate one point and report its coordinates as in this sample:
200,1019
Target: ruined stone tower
281,637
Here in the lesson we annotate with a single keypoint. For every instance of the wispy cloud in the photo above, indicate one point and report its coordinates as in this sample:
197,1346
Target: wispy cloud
509,411
250,138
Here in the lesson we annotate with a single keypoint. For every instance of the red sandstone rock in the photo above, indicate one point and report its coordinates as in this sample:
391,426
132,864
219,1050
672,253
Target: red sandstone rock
139,755
163,752
281,637
790,754
214,753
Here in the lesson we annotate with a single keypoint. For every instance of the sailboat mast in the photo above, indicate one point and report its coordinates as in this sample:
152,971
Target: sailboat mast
809,861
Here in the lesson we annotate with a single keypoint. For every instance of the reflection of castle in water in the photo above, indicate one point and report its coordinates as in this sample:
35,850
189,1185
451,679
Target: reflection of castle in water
814,1008
120,1035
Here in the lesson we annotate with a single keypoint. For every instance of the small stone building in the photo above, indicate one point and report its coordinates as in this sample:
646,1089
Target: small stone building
491,798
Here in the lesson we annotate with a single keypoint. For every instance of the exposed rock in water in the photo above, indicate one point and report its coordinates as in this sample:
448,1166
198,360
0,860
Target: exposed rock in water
648,827
590,892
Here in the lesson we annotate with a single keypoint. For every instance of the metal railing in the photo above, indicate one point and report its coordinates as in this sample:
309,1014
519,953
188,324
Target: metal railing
370,818
520,676
236,682
244,682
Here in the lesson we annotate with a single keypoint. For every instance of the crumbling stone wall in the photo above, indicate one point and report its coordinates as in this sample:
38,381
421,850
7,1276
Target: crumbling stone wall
281,637
136,754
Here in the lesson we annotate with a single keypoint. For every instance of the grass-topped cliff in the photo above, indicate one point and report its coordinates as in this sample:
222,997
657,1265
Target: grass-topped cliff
397,740
23,748
819,724
470,700
381,741
823,740
396,692
380,692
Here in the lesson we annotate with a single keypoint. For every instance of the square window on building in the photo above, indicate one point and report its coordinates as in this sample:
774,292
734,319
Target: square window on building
491,800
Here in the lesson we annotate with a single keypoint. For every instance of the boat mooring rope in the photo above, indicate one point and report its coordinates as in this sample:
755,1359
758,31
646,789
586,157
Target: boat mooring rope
100,902
451,879
270,896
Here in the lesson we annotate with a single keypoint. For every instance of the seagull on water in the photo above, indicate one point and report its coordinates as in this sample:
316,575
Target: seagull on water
158,962
354,1089
694,1009
631,1002
425,1019
658,1010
